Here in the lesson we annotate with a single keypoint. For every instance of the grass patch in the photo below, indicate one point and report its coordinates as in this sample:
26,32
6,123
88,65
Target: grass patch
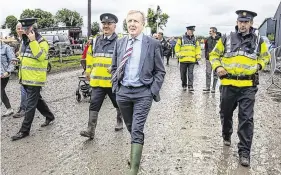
70,58
68,63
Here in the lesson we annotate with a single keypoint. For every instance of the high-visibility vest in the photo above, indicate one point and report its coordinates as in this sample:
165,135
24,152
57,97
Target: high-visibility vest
188,50
34,62
99,60
238,59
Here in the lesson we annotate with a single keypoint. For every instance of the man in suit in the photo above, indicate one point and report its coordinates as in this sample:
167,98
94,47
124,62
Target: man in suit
137,75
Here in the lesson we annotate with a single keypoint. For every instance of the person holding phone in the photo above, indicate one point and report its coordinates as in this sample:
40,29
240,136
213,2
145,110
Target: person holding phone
33,75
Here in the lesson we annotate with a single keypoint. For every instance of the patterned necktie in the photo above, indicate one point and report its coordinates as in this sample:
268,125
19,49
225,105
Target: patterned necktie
127,55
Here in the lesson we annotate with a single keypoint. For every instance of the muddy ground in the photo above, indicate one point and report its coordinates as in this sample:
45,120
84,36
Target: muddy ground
182,134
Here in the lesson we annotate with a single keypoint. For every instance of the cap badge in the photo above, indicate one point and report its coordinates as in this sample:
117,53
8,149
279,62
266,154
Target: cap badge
244,14
106,17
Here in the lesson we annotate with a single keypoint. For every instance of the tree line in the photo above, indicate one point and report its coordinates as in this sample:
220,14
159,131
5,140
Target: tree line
45,19
74,19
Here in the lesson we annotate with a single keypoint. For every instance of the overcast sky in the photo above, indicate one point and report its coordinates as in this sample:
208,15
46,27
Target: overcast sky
202,13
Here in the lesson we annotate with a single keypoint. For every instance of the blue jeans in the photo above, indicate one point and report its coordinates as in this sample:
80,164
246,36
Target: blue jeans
23,98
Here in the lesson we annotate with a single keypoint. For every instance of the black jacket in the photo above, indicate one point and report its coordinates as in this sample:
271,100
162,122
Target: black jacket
210,44
166,48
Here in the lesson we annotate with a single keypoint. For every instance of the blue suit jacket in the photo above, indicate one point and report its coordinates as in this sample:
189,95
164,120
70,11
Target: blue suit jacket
151,68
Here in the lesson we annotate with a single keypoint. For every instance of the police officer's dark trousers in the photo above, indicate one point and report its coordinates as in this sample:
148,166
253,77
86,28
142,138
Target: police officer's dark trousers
97,98
98,95
183,71
34,101
244,98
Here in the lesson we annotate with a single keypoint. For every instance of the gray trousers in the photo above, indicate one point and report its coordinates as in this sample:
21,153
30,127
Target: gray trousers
244,98
209,75
134,104
183,70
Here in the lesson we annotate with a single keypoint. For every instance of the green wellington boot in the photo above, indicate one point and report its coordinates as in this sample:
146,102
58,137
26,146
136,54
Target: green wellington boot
136,152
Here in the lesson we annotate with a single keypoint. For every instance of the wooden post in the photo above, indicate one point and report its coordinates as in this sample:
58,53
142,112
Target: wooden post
60,54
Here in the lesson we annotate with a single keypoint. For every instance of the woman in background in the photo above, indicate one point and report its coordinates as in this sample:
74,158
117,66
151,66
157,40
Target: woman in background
7,57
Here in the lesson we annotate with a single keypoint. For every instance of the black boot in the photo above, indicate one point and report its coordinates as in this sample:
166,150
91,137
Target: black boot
92,123
244,160
119,124
47,122
19,135
206,89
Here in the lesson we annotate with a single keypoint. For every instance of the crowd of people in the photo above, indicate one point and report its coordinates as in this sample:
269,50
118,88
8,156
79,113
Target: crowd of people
131,71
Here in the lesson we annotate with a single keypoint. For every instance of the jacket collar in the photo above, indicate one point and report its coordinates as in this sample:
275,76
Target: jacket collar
113,36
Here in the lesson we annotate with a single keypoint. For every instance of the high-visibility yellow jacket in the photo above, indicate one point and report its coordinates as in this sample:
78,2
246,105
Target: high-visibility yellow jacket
120,35
33,62
188,49
99,60
239,58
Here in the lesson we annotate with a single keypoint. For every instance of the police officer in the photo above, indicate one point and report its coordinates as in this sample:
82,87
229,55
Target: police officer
99,59
188,51
237,58
33,75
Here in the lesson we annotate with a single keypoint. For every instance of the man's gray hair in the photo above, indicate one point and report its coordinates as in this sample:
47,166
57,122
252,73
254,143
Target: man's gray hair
139,12
18,25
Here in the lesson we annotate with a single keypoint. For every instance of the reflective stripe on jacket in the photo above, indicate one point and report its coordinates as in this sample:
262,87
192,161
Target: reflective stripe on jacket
239,56
99,60
188,49
33,67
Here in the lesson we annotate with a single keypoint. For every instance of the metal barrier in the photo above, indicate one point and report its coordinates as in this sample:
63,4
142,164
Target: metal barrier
273,69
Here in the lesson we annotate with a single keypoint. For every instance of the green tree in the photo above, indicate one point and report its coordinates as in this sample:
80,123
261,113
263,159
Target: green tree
199,38
11,22
69,18
95,28
152,17
45,19
125,29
